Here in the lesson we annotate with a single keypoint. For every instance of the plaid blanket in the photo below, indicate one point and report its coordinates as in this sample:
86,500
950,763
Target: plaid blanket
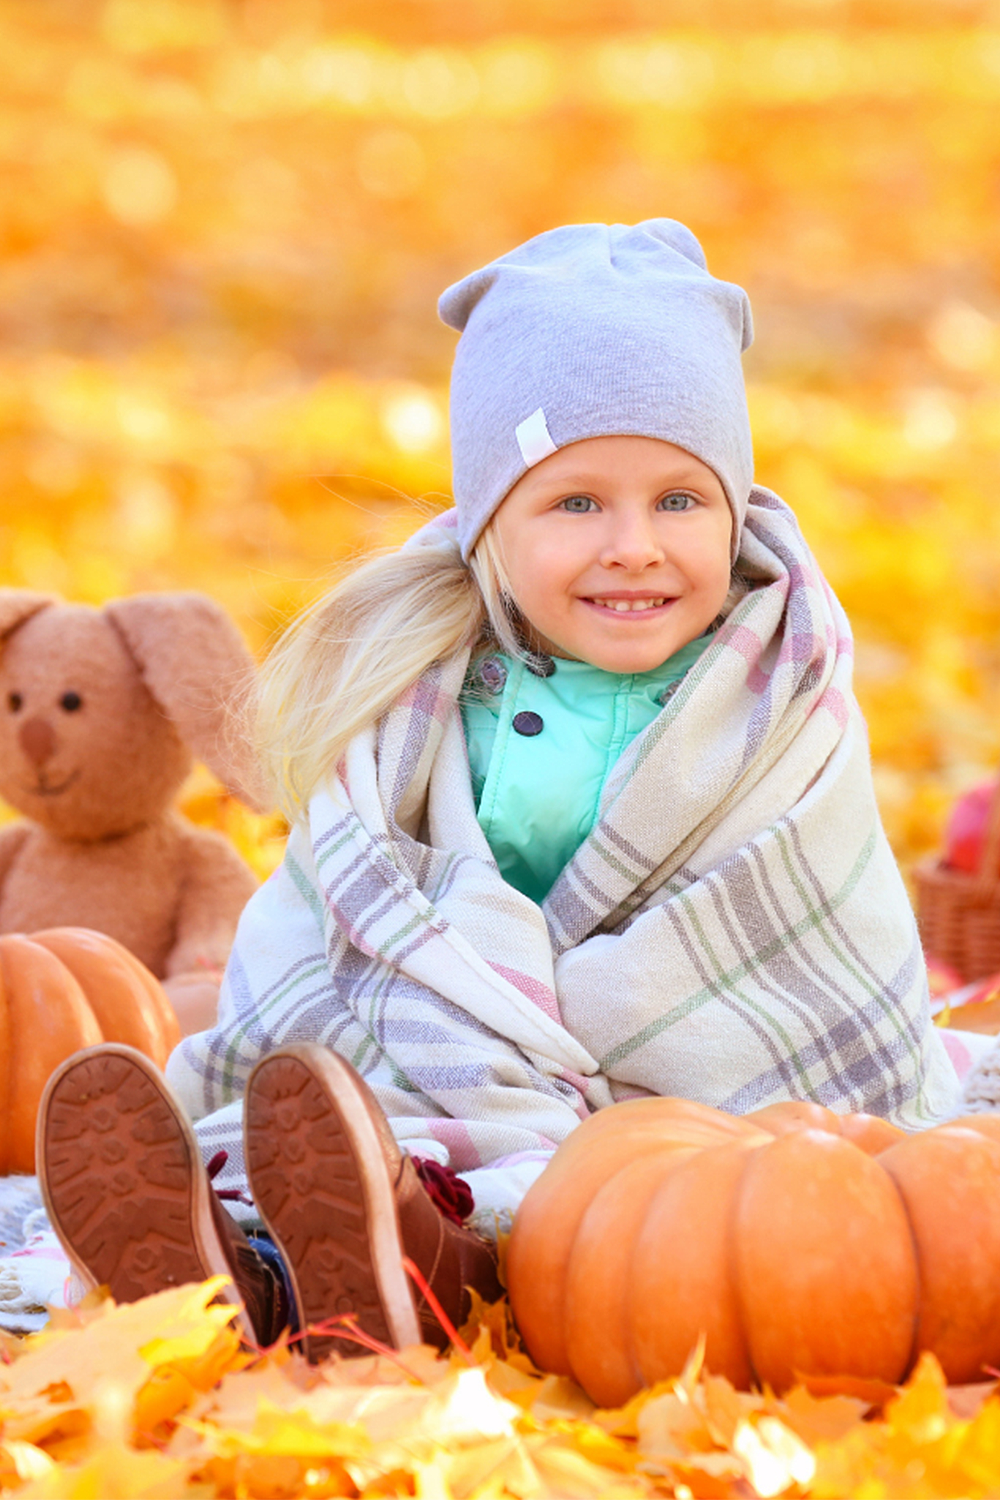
734,929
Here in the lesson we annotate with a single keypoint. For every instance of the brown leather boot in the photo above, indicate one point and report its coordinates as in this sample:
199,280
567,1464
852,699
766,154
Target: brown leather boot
127,1193
344,1206
453,1259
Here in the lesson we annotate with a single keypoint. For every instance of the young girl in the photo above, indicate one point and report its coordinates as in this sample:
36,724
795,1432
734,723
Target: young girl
581,807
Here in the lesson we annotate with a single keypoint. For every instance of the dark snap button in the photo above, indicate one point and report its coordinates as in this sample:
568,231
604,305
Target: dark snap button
528,723
493,674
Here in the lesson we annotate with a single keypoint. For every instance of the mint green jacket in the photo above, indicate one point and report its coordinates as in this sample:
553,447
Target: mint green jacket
540,749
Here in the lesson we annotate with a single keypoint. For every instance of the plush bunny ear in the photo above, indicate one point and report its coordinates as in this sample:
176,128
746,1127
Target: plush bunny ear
195,664
18,605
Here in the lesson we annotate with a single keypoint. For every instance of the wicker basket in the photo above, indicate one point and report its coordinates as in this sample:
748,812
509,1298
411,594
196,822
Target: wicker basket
959,914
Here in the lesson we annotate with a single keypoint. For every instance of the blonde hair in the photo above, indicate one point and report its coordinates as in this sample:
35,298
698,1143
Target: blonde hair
348,657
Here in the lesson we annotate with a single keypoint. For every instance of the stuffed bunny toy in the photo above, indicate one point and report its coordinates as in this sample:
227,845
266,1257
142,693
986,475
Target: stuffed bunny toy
101,714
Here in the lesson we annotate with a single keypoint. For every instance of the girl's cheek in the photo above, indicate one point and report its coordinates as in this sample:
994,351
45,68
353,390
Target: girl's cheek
552,568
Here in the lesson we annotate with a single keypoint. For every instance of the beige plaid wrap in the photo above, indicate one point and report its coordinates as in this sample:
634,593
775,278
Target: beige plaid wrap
733,930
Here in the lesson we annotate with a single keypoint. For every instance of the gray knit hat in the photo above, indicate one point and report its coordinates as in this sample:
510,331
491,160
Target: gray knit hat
595,330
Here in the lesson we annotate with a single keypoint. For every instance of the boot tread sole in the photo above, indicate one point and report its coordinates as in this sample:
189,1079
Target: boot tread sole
122,1180
323,1186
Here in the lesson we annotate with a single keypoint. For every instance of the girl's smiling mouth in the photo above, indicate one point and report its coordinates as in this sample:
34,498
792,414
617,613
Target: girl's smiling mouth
629,604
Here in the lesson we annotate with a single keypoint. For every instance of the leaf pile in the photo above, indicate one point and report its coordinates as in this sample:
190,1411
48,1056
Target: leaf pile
157,1399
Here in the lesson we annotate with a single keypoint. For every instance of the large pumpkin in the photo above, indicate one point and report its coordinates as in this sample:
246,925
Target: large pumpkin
60,990
799,1242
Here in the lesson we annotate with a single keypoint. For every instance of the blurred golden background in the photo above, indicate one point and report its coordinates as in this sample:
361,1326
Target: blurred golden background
225,226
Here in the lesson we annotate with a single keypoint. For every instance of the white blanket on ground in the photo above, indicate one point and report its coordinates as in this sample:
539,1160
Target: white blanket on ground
34,1272
734,929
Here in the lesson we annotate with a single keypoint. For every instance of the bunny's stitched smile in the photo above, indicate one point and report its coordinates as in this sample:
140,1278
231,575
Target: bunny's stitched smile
44,790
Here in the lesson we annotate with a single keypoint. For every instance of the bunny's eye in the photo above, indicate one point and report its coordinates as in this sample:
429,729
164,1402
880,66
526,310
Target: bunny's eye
14,702
71,702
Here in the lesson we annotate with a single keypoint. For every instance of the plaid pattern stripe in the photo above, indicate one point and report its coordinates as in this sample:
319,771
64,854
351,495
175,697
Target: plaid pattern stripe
733,930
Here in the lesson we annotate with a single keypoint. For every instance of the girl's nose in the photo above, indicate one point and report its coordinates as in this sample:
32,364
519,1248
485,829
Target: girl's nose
633,545
38,740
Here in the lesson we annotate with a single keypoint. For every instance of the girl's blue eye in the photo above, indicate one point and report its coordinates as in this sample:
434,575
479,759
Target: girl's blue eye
678,500
578,505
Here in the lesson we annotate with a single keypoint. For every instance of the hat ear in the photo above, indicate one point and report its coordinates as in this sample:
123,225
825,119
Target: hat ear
18,605
195,664
678,236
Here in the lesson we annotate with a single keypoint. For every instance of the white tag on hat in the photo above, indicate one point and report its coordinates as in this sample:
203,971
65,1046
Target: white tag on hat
534,438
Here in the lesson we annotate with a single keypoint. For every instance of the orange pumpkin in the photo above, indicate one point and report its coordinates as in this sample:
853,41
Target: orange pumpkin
60,990
798,1241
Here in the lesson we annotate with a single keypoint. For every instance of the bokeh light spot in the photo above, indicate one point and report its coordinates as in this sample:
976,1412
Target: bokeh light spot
929,422
805,65
671,74
964,337
343,74
147,514
439,83
142,420
516,79
411,419
139,186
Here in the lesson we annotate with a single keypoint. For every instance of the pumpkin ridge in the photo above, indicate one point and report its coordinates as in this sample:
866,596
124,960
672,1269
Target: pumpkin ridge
914,1354
599,1275
844,1287
51,1018
697,1288
732,1266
